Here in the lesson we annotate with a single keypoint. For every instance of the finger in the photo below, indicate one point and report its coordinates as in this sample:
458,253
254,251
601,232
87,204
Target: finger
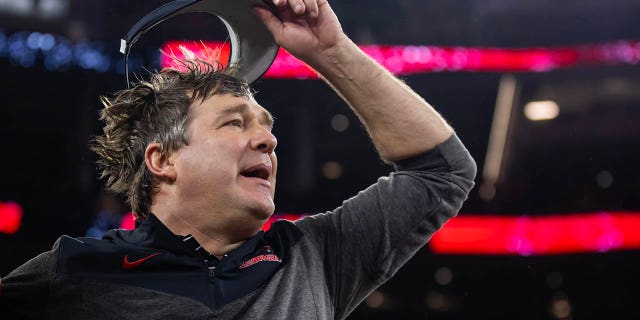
311,7
268,18
297,6
280,3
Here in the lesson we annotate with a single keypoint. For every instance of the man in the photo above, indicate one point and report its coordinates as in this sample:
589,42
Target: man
195,154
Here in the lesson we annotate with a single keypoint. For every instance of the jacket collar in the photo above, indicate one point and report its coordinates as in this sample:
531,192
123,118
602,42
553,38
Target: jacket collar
153,234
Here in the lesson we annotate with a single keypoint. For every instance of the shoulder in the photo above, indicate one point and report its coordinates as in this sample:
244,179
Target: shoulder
66,245
82,255
285,230
282,235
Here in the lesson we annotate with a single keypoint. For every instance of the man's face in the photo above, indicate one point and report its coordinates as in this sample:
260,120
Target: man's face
226,175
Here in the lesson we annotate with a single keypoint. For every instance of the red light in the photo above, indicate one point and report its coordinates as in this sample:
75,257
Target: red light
10,217
214,52
525,235
284,216
404,60
557,234
128,222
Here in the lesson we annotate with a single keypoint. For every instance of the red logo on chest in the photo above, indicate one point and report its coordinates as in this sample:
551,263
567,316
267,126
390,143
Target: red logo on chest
128,265
260,258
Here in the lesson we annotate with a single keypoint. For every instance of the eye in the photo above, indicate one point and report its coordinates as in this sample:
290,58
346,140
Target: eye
235,123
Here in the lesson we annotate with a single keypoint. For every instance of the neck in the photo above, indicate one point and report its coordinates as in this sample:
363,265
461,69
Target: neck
216,244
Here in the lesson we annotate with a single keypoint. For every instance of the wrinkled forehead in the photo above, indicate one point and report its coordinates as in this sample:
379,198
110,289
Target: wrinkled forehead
220,105
250,106
202,94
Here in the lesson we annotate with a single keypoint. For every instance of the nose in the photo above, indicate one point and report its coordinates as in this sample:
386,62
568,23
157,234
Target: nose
262,139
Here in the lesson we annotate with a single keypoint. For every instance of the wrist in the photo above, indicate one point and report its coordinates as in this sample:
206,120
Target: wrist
332,60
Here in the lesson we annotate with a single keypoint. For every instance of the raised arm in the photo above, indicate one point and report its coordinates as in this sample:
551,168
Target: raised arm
400,122
366,240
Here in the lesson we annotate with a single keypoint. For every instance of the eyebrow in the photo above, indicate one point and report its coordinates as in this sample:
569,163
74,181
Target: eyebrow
243,108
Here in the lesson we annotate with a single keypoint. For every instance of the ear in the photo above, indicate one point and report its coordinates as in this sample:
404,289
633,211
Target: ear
158,164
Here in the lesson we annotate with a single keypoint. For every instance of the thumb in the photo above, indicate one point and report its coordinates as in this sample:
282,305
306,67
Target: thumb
269,19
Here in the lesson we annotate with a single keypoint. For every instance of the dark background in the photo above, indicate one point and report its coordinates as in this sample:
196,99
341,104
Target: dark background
48,114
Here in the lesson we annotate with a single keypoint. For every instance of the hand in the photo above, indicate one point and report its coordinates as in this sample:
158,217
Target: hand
305,28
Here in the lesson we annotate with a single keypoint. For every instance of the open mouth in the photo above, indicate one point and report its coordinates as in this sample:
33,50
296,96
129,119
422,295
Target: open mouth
261,171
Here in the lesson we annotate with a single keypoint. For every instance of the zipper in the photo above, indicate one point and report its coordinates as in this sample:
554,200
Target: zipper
212,274
211,277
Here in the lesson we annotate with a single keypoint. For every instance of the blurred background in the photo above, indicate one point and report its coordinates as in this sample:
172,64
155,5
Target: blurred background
545,94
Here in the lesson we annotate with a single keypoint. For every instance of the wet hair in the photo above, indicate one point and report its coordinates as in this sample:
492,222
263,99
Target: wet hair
154,111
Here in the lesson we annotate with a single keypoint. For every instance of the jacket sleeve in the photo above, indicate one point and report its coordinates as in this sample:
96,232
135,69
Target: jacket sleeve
24,293
366,240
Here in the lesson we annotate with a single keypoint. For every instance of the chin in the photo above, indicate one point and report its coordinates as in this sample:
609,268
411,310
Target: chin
260,210
258,205
264,212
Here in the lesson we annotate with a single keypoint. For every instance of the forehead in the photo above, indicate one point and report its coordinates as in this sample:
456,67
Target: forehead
225,104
